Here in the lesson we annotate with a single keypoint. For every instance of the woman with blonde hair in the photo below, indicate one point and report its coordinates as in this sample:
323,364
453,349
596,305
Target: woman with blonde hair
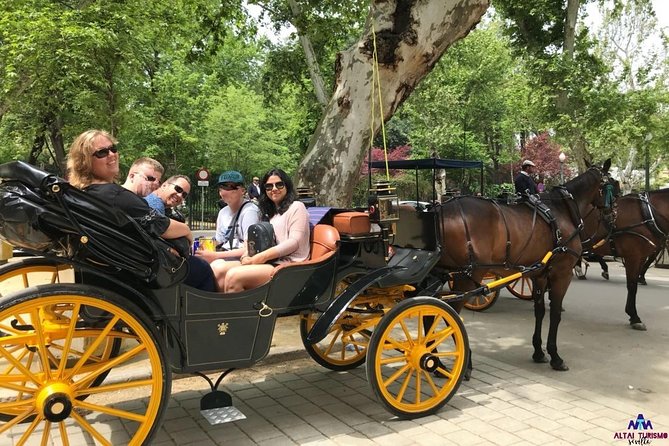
93,166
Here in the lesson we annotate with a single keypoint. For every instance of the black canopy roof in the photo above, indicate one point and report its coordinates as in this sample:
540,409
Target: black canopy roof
427,163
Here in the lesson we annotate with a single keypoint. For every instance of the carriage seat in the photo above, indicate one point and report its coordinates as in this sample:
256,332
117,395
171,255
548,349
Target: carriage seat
324,241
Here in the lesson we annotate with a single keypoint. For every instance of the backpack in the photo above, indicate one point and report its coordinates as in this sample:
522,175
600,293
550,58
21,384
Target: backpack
260,237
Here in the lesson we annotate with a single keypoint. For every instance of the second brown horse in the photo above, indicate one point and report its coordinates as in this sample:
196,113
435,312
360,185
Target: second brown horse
480,235
639,232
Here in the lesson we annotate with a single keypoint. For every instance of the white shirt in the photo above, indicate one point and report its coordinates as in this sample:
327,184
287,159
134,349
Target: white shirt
249,214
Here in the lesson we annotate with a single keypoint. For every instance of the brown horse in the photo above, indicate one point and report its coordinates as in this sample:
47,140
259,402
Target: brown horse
639,232
480,235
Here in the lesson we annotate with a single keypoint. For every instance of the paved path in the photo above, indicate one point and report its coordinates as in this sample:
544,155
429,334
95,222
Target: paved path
298,403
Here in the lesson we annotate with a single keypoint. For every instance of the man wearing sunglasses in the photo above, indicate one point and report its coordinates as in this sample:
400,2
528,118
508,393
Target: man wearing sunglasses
144,176
93,166
170,194
233,220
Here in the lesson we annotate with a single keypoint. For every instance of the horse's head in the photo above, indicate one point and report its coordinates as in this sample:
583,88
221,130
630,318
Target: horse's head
593,189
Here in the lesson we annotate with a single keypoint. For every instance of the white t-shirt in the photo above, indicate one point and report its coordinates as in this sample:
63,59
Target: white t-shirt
249,214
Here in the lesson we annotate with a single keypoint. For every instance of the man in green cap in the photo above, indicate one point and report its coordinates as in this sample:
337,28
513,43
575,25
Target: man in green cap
233,220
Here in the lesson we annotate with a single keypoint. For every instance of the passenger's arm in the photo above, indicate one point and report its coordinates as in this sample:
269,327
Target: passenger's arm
177,229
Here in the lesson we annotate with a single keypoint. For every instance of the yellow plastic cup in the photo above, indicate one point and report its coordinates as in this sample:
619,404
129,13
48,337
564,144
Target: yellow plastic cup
208,245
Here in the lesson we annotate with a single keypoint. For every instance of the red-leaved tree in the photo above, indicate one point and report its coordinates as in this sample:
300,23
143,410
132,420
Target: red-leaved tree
545,153
394,154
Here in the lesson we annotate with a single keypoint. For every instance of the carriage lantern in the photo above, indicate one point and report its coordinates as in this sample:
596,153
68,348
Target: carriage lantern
383,203
306,195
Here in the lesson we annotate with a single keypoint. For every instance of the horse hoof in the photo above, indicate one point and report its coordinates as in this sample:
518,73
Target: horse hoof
540,360
642,282
560,367
468,374
639,326
582,278
605,275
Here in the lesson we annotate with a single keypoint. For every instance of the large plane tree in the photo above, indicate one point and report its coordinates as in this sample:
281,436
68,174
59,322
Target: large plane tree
410,36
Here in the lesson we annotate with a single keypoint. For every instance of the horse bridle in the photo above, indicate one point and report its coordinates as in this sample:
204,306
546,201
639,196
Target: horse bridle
607,212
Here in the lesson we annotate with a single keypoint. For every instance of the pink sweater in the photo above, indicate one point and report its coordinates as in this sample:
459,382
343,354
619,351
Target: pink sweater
292,233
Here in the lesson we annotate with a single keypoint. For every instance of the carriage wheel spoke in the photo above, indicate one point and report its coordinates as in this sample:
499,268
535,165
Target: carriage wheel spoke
430,381
113,387
335,336
441,337
90,429
405,385
19,366
63,433
38,419
392,378
118,413
407,333
93,347
16,420
108,365
46,434
68,339
418,381
393,344
41,341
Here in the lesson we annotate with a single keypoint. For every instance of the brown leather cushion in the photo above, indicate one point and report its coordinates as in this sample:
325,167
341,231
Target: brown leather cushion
324,241
352,223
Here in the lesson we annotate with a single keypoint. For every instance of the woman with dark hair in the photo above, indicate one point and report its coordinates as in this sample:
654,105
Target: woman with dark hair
93,166
290,220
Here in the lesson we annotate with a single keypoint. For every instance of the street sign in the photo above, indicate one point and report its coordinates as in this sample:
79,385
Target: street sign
202,174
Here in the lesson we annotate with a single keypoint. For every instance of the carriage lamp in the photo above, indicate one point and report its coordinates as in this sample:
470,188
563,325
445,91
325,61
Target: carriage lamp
306,195
383,203
562,157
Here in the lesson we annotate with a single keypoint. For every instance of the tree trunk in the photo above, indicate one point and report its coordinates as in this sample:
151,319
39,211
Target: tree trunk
411,36
57,143
309,54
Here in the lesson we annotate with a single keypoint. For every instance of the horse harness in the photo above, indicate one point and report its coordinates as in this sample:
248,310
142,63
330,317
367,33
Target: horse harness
544,212
647,219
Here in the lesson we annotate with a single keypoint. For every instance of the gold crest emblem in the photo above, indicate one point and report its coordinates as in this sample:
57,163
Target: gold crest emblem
222,328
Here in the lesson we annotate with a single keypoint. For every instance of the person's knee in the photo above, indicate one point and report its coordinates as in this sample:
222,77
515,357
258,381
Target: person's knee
233,281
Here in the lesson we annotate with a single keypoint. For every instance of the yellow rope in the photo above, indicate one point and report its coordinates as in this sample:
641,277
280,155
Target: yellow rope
376,83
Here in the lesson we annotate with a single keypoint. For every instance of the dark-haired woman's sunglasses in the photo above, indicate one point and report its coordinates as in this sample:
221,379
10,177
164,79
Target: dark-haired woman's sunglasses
104,152
279,185
180,190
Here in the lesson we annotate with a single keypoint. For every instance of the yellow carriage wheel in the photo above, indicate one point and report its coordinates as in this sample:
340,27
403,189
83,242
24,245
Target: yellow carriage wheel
33,271
345,346
30,271
51,337
521,288
483,301
417,357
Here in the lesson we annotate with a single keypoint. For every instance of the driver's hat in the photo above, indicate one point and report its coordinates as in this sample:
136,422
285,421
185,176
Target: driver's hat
528,163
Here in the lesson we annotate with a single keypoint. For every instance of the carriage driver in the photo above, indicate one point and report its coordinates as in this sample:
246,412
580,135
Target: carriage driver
523,182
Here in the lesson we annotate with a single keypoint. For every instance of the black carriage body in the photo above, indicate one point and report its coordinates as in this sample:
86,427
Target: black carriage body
205,330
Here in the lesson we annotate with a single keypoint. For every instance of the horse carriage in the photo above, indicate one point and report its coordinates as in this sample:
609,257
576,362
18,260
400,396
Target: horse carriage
111,316
372,292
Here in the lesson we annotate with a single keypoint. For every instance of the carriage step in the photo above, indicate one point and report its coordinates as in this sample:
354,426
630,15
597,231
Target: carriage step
222,415
216,407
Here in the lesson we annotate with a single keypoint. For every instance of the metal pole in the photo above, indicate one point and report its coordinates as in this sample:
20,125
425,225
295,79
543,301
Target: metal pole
647,170
561,173
202,207
647,139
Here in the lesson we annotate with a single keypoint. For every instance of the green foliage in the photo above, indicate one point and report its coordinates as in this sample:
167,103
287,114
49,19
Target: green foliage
473,102
242,135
